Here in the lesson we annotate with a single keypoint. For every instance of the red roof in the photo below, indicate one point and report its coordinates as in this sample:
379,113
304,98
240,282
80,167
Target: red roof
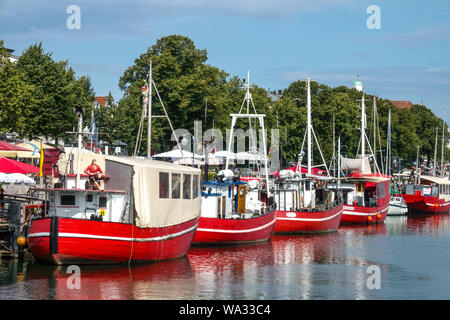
12,166
101,101
10,147
402,104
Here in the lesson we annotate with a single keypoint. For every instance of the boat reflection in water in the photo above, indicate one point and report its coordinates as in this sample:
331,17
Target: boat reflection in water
326,266
232,272
162,280
426,224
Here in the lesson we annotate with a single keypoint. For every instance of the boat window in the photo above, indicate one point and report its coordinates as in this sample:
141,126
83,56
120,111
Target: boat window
195,187
102,202
68,200
164,185
381,190
89,198
307,185
176,185
186,186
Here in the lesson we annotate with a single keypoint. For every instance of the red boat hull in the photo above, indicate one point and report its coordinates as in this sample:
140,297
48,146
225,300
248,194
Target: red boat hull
364,215
426,205
59,240
308,222
234,231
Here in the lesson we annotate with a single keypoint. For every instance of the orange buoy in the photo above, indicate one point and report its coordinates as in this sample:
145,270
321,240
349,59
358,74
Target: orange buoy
379,216
369,218
436,205
21,241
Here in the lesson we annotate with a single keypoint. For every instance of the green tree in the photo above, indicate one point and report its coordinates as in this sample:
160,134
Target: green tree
57,92
16,96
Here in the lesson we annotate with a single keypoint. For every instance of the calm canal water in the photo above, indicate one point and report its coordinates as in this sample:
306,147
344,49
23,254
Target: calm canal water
412,253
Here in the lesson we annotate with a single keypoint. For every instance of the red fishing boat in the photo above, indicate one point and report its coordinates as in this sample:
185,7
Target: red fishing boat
366,199
148,212
140,220
233,214
235,211
304,203
366,194
431,196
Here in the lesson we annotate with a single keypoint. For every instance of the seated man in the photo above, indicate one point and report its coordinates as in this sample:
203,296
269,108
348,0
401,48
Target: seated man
95,174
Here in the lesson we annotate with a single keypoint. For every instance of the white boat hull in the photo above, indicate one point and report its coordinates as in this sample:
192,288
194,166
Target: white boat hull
397,207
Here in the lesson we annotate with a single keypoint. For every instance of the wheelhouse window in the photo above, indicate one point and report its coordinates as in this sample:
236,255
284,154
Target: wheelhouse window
164,185
176,180
186,186
68,200
102,201
381,190
195,187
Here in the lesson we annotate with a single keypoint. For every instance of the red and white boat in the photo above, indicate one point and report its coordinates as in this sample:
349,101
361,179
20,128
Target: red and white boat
431,196
366,199
304,203
233,214
366,194
139,219
148,212
234,211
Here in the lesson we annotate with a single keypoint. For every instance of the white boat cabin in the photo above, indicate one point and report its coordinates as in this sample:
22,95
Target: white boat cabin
364,192
430,187
107,206
231,199
293,193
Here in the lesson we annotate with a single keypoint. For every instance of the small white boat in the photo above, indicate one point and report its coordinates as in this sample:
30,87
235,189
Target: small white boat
397,206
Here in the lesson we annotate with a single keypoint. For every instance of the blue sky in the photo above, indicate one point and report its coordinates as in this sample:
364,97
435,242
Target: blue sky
278,41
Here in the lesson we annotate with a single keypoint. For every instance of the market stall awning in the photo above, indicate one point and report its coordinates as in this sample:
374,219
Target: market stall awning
13,166
177,154
16,178
10,147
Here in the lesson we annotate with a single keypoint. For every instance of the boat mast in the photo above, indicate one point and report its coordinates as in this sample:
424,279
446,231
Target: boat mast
442,150
435,153
363,144
374,109
388,146
339,163
308,123
149,114
80,133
